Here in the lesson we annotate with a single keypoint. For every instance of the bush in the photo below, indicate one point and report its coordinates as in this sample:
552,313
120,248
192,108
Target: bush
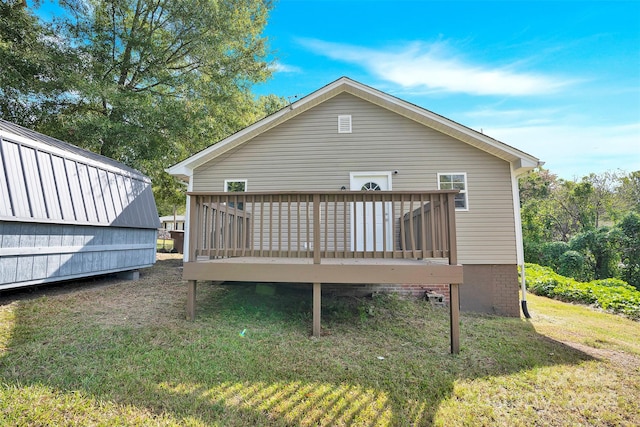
571,264
613,295
551,253
630,248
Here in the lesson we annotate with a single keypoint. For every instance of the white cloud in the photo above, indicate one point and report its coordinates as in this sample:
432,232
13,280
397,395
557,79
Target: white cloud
434,67
575,151
279,67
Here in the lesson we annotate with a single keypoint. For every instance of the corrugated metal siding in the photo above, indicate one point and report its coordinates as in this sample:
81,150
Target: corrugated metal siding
307,153
37,184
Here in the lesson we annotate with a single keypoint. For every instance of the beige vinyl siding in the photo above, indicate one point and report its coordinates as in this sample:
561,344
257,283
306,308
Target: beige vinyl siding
308,153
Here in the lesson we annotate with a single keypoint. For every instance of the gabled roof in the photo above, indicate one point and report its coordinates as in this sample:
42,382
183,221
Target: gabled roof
521,161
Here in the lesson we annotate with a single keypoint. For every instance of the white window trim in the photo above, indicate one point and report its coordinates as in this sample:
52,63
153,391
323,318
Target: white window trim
227,181
342,117
466,188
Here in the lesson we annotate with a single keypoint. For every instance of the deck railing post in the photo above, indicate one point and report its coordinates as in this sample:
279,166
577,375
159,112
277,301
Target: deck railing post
316,229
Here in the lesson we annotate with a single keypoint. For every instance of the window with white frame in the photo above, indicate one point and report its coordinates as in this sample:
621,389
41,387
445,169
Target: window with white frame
235,186
455,181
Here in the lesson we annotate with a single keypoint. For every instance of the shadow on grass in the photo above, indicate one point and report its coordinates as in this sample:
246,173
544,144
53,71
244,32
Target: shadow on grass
381,361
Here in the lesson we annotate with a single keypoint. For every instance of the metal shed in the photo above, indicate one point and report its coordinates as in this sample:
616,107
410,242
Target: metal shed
68,213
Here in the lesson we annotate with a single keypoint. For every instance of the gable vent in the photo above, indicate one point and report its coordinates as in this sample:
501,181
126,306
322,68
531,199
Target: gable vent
344,124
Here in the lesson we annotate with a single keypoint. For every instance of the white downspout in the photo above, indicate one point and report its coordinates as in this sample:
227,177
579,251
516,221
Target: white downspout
519,240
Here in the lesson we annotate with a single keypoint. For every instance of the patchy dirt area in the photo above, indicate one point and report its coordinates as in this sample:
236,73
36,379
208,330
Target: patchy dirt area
158,296
616,357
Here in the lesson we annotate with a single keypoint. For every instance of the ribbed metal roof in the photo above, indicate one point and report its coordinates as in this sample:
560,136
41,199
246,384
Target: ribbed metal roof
43,179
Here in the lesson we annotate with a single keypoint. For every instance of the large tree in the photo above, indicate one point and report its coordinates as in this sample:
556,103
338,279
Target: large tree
628,193
150,82
34,65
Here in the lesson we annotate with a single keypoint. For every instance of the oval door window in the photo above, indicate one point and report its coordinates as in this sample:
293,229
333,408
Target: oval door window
370,186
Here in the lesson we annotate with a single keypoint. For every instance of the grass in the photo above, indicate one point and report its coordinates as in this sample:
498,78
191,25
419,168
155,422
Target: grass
164,245
111,352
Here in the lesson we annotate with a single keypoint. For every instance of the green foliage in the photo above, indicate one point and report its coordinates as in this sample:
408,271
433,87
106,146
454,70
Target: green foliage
537,220
600,248
628,193
145,82
609,294
551,253
533,251
572,264
629,235
34,62
555,211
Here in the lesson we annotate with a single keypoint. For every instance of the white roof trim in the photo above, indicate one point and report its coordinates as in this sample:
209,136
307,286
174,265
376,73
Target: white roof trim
521,160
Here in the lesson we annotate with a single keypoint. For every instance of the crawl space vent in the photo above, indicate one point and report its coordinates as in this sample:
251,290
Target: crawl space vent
344,124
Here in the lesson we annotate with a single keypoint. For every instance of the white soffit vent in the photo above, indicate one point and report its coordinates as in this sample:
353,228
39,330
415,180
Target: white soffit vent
344,124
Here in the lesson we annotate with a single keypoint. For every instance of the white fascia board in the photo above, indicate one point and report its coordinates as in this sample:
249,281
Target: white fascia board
524,165
443,122
185,168
499,149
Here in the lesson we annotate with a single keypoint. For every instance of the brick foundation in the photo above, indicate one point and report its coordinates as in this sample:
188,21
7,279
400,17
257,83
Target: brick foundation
490,289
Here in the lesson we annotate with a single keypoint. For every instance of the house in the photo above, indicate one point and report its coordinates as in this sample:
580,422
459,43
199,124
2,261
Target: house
447,201
67,213
171,222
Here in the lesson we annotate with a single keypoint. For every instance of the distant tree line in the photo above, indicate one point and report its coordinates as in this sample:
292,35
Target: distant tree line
145,82
586,229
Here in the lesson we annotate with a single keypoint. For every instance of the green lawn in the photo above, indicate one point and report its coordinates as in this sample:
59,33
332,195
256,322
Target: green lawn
120,353
164,245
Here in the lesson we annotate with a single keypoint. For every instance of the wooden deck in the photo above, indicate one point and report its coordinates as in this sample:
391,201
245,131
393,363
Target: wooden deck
336,237
329,270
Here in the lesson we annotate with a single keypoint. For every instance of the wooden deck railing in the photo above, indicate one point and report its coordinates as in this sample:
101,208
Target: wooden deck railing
340,224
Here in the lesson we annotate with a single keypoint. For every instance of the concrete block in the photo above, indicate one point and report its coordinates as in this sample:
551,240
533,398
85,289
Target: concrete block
129,275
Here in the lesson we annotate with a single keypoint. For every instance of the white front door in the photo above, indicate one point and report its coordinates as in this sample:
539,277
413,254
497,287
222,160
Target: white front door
365,226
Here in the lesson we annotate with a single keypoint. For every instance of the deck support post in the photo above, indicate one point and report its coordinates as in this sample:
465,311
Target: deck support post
454,317
317,287
191,300
454,291
317,294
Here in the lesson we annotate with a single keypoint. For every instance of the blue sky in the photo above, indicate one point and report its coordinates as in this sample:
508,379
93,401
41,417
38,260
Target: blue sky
559,80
